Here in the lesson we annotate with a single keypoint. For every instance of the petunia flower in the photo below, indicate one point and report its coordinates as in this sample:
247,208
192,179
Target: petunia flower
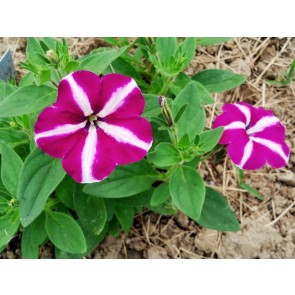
94,125
254,136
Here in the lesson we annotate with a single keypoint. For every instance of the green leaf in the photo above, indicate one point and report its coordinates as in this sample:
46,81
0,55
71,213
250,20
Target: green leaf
65,191
165,154
204,41
188,50
152,107
39,177
92,242
252,191
216,80
5,90
184,141
27,80
209,139
98,62
44,76
121,66
160,195
72,65
125,216
10,169
187,191
140,200
38,230
27,100
192,121
217,214
91,211
4,204
65,233
29,251
166,209
166,47
8,227
125,181
33,49
12,137
180,112
177,86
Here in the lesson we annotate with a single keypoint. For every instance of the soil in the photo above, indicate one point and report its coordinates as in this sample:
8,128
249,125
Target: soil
267,227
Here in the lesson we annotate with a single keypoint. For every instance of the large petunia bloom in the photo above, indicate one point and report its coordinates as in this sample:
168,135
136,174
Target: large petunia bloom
94,125
254,136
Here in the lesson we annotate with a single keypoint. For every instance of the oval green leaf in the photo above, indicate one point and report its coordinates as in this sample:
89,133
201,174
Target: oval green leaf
65,233
8,227
91,211
216,80
165,154
187,191
192,121
11,166
217,214
39,177
26,100
98,62
160,195
125,181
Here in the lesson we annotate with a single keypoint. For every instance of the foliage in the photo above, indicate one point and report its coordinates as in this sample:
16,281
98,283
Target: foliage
39,200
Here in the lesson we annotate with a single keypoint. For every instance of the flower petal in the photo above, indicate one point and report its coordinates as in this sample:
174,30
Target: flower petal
134,132
120,97
57,130
230,114
276,154
236,149
79,93
257,114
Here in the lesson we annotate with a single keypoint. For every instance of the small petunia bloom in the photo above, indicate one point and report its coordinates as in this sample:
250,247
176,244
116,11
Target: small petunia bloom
254,136
94,125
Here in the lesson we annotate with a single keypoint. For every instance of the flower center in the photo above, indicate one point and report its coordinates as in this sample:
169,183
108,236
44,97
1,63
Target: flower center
93,120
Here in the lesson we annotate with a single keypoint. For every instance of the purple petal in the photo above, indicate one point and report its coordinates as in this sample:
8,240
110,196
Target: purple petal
236,149
237,111
57,130
258,113
254,158
129,139
120,97
79,93
72,162
268,127
276,154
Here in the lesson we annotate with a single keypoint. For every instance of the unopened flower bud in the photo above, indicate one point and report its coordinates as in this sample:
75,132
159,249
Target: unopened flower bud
51,55
166,110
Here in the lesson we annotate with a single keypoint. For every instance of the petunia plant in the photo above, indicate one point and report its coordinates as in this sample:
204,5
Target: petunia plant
87,143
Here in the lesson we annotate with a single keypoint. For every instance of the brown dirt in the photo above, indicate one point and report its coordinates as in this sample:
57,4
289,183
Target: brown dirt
268,227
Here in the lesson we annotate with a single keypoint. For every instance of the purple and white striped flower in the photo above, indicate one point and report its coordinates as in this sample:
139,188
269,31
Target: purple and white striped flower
254,136
94,125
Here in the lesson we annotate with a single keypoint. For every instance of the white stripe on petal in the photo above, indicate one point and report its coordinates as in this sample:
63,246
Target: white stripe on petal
80,96
235,125
88,155
246,111
275,147
262,124
60,130
117,99
124,135
247,153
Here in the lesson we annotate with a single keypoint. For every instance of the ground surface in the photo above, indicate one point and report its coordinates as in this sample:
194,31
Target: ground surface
267,227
